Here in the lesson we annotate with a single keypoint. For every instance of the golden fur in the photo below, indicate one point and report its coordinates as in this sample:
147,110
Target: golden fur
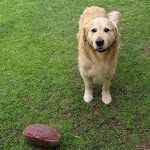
97,61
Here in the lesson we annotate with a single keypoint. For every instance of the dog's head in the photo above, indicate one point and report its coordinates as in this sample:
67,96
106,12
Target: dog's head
101,33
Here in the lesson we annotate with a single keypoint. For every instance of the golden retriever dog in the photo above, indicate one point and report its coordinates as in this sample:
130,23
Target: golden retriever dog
98,39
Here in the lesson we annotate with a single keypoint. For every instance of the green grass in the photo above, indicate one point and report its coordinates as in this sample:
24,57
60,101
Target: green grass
40,81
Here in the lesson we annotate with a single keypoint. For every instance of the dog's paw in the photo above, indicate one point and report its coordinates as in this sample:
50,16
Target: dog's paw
106,99
88,98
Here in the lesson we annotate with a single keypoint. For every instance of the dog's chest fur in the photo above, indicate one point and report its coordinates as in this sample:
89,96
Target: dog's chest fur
97,67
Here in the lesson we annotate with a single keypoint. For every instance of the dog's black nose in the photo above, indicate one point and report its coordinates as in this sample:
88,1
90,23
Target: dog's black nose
99,42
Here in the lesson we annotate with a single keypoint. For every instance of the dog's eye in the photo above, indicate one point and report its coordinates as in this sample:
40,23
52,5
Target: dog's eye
106,30
93,30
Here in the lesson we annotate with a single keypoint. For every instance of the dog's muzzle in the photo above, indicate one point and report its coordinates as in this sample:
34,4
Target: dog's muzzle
100,43
101,50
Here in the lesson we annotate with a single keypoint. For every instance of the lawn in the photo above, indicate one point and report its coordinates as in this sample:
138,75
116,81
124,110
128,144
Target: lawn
40,81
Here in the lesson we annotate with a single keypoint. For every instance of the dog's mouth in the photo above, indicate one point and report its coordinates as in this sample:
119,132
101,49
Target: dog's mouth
101,50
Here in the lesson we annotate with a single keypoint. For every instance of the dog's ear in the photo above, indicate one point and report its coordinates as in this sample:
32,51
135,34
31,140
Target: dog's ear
114,17
118,35
82,37
85,34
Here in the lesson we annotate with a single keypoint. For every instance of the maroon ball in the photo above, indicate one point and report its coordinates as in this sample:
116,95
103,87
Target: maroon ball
41,136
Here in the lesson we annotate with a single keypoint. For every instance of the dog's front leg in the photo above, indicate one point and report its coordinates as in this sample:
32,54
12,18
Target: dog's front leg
88,94
106,97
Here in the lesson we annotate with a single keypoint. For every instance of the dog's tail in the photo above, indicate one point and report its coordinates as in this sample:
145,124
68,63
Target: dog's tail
115,17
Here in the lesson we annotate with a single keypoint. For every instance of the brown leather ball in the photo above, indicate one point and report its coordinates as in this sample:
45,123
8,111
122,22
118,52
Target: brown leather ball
41,136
